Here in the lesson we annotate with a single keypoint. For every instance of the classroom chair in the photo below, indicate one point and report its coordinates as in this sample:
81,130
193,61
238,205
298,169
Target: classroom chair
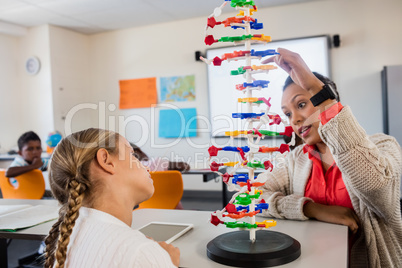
168,190
31,185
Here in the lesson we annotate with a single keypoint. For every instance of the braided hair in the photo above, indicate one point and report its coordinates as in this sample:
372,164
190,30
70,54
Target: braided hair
69,176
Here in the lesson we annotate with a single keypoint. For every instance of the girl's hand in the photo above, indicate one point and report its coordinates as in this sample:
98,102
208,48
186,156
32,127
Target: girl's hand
332,214
298,70
173,252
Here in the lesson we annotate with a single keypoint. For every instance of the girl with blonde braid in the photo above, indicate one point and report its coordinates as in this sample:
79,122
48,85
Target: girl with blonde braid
98,182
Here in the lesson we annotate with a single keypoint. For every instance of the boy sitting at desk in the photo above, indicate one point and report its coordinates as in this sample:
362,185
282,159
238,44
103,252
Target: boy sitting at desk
29,156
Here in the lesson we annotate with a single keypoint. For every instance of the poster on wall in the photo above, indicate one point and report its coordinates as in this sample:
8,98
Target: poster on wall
177,88
178,123
138,93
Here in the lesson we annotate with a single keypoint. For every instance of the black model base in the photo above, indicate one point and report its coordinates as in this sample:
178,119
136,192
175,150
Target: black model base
269,249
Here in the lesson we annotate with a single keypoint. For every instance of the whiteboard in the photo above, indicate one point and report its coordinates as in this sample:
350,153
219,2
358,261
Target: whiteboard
221,85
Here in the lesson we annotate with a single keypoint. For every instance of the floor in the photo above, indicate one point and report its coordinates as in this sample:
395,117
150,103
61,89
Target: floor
192,200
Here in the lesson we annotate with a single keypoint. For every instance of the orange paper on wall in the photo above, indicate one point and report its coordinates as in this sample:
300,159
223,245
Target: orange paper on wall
138,93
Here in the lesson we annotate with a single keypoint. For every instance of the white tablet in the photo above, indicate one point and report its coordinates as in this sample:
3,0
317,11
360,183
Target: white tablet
165,231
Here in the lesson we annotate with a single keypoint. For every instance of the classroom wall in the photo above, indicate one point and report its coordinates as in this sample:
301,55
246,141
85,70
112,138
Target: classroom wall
36,93
10,114
153,51
369,31
26,100
70,79
42,102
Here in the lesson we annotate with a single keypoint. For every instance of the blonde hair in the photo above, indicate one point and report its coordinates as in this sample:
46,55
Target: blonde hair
70,182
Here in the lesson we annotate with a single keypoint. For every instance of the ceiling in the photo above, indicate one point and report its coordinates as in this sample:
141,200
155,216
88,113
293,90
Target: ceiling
96,16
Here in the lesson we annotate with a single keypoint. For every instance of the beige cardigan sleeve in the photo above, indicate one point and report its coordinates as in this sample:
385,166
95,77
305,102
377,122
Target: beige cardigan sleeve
370,166
278,191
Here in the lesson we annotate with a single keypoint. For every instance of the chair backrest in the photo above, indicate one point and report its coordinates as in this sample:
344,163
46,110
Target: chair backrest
31,185
168,190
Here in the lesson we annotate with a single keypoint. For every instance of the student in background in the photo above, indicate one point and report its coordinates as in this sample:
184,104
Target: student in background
98,181
158,163
341,175
28,159
29,156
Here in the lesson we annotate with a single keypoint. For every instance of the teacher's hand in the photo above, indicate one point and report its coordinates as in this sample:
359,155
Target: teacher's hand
332,214
298,70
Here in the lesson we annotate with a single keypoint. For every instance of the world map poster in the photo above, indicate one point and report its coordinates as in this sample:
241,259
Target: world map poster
177,88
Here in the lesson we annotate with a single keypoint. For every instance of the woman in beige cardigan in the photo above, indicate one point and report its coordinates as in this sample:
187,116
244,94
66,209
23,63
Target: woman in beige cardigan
341,175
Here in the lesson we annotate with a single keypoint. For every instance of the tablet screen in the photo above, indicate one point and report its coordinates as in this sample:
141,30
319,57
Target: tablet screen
165,231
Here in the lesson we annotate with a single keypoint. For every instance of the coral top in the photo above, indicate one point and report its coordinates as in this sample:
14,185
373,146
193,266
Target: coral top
326,188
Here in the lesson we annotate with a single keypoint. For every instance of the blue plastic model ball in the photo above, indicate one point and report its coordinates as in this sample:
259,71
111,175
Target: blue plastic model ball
53,139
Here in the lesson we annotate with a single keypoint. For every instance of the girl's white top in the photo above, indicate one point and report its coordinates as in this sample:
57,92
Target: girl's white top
101,240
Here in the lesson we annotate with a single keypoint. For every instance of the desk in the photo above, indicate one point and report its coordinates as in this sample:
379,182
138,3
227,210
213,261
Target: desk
7,159
38,232
322,244
208,175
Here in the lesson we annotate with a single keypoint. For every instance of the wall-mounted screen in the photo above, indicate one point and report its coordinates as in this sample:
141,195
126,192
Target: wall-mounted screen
223,95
